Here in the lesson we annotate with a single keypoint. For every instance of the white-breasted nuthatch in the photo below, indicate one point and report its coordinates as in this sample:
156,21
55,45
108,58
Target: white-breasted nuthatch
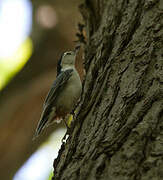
64,92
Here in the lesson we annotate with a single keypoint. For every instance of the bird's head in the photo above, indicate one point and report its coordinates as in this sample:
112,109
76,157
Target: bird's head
69,57
67,60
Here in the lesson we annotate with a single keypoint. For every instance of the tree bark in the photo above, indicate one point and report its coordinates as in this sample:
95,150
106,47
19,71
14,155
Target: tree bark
118,128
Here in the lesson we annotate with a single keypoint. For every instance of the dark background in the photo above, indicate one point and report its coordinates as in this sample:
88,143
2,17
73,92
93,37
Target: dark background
21,100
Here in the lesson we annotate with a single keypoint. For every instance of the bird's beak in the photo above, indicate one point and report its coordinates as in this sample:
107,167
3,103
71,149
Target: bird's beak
77,49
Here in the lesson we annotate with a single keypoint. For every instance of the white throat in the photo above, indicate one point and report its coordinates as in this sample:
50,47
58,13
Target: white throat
66,67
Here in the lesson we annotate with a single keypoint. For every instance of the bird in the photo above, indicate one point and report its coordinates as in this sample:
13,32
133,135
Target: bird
64,93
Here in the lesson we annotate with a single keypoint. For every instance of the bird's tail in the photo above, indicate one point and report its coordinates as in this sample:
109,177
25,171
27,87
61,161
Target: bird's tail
40,127
46,116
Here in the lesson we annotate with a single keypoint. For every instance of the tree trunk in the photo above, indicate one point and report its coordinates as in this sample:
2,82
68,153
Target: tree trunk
118,129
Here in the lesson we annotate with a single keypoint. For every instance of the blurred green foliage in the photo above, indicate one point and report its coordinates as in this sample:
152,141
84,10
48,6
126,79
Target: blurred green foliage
50,176
9,66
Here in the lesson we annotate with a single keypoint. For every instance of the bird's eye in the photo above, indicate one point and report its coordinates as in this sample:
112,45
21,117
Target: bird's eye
68,53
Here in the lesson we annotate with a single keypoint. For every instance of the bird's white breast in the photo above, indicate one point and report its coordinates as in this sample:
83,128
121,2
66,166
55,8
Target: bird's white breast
71,93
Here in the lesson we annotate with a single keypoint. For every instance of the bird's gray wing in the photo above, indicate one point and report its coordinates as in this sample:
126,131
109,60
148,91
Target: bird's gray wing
61,80
48,107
